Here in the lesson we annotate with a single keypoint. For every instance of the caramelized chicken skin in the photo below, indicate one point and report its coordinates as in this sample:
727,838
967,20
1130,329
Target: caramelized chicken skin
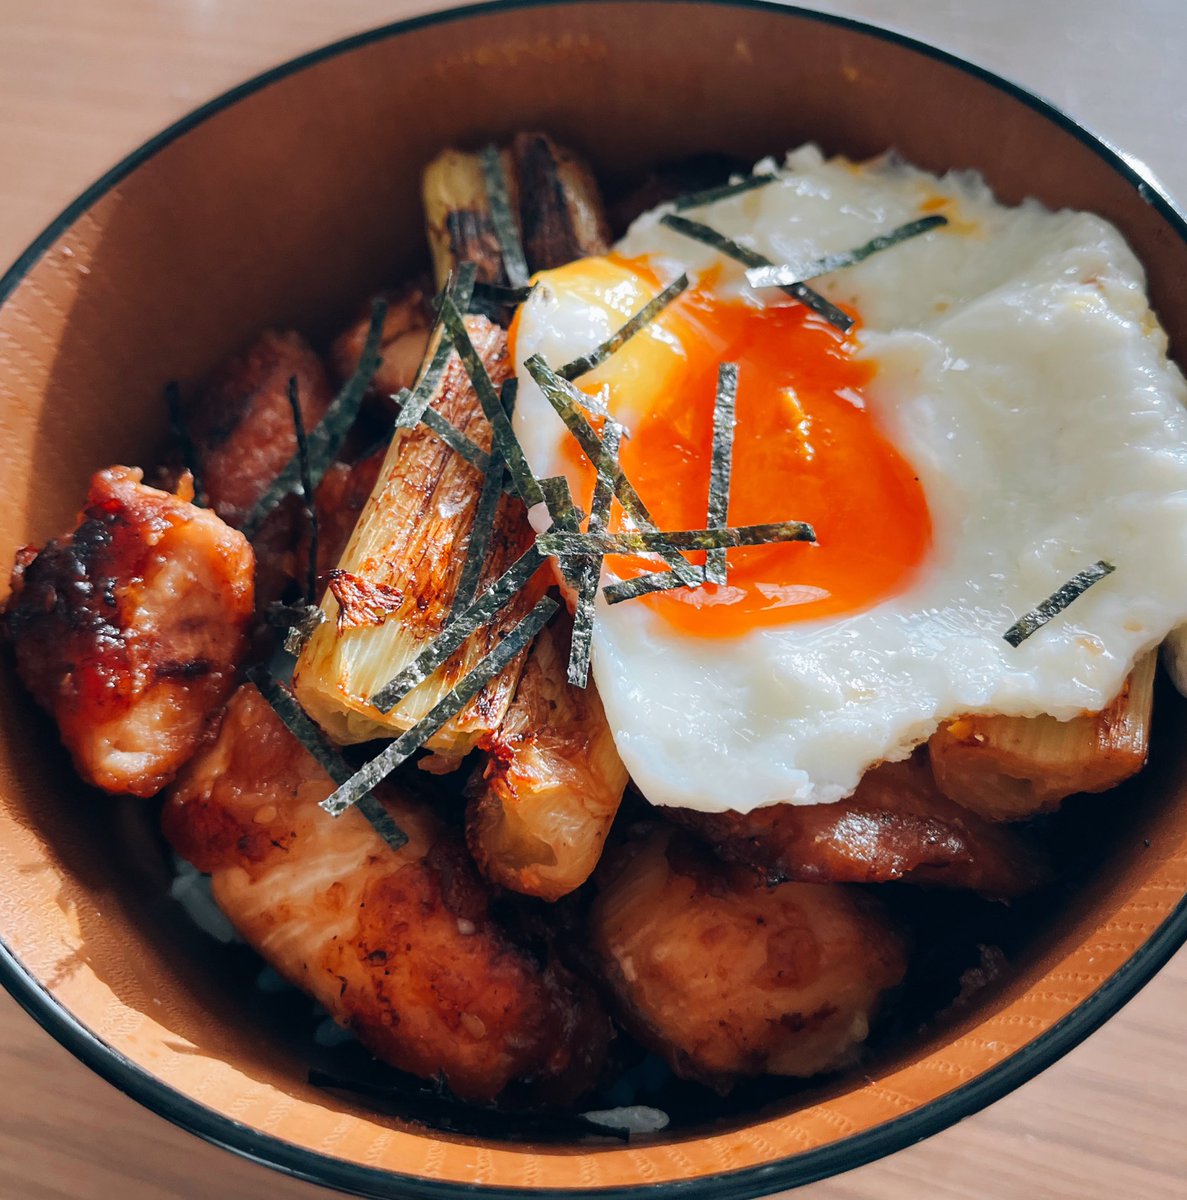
897,825
399,945
726,977
542,804
129,630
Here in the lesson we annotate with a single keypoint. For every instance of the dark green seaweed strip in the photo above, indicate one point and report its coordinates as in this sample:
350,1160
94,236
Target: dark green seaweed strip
751,258
327,436
307,491
503,436
558,499
567,401
305,730
780,276
498,196
590,571
449,433
458,629
622,335
639,541
181,435
481,529
453,437
459,285
399,751
720,465
724,191
498,295
643,585
1055,604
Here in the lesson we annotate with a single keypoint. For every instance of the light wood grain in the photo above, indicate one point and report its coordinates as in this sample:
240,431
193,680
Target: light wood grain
83,83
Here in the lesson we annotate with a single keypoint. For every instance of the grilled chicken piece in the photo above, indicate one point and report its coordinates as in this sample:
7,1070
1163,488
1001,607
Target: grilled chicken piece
1010,768
242,427
543,803
897,825
130,629
725,977
561,209
402,343
399,946
410,548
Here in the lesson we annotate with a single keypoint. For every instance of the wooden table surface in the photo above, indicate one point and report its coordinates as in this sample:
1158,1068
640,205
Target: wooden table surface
82,83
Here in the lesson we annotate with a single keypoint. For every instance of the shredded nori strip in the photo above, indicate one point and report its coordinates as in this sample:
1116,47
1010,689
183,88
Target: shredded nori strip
307,491
399,751
503,436
643,585
622,335
181,435
481,529
327,436
751,258
498,196
449,433
638,541
781,276
566,400
458,629
720,465
559,502
297,621
1055,604
590,571
305,730
498,295
725,191
460,287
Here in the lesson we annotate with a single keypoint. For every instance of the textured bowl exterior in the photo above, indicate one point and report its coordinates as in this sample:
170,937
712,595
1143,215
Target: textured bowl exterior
282,204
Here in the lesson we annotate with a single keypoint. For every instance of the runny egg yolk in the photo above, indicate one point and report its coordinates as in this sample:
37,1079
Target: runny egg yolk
805,449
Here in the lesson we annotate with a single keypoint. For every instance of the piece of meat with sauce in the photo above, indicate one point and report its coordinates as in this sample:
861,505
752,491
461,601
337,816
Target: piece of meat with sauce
728,978
400,946
896,825
402,343
129,630
242,425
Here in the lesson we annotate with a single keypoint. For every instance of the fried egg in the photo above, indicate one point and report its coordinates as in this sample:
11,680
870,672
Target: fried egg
1001,415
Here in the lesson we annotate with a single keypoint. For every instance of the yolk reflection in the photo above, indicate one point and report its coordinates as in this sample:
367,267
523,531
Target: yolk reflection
805,449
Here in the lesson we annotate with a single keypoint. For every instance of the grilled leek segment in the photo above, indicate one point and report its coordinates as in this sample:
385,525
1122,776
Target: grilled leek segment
561,209
543,803
554,201
1011,768
458,217
407,553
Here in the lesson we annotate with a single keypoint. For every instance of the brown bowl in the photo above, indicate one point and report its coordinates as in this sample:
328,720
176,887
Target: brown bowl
282,203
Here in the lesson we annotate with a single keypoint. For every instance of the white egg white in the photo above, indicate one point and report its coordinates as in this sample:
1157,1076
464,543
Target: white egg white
1021,373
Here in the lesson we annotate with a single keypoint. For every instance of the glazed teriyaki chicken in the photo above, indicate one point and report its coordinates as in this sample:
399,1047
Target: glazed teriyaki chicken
495,906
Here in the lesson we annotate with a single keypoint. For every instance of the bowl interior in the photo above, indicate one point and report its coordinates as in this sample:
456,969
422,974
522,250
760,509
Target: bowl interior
283,208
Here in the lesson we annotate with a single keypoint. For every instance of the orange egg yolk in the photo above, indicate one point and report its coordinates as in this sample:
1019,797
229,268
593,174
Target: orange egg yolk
805,449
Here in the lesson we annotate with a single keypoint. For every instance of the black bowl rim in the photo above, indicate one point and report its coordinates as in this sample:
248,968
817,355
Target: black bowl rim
743,1184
